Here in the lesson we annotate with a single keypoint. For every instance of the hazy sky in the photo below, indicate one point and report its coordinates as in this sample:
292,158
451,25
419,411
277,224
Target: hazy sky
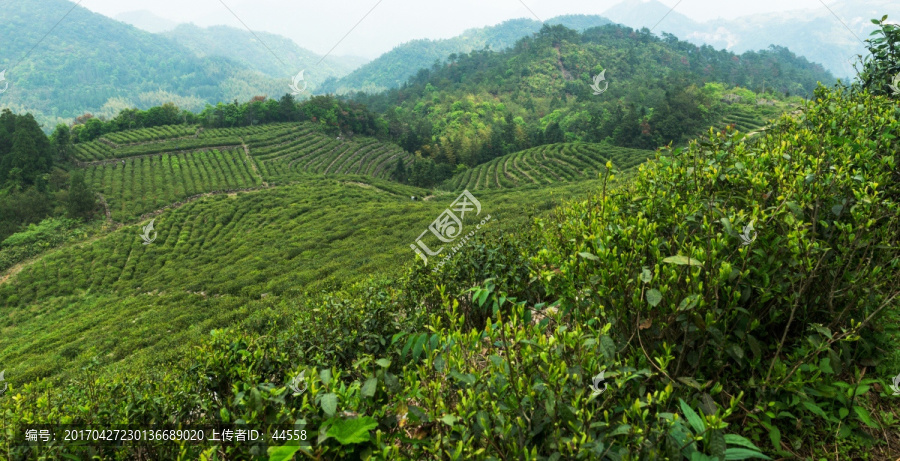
319,25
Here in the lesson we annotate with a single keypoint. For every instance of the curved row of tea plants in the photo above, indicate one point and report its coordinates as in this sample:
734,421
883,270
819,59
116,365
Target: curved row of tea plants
547,164
176,138
145,184
157,133
306,151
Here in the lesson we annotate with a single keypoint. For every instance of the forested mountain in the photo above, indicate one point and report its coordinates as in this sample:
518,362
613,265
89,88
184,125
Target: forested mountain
241,46
486,104
91,63
812,32
393,68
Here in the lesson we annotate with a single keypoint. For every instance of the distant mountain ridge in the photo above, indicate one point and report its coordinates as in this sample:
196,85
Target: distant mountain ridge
813,33
278,56
393,68
92,63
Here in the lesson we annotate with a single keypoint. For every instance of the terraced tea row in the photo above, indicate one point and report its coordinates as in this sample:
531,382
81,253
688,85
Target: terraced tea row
140,185
97,150
751,118
174,138
544,165
285,157
157,133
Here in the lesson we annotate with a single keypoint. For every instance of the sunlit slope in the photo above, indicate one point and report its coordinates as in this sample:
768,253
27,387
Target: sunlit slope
547,165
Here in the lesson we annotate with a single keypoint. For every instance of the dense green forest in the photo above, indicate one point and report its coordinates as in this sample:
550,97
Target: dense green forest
394,68
97,65
487,104
714,276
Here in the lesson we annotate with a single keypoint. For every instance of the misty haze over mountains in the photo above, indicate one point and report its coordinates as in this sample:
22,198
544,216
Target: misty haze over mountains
811,32
93,63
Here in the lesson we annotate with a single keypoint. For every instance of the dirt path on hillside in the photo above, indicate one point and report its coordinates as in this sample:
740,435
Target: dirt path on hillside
105,208
252,163
565,73
114,226
6,275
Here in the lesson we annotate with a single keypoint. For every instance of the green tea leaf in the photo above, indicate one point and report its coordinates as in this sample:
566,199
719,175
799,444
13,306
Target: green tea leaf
689,303
734,439
646,275
815,409
692,417
586,255
837,209
654,297
283,453
716,443
683,261
483,297
329,403
350,431
775,437
369,388
865,417
325,376
743,453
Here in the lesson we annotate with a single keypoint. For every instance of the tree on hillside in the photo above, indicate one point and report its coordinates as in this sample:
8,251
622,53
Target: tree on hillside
61,141
881,75
399,173
81,202
287,108
30,155
554,133
882,65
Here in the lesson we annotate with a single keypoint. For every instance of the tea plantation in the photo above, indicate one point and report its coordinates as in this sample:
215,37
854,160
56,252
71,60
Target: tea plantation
739,296
546,165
